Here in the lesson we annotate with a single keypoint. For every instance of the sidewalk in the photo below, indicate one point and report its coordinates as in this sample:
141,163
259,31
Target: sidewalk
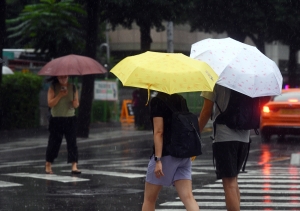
38,137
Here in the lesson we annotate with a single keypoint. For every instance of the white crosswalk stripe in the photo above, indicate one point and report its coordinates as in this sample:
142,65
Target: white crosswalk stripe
8,184
52,177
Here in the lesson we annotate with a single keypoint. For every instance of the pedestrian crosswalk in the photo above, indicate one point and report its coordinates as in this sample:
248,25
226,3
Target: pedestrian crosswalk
275,189
272,188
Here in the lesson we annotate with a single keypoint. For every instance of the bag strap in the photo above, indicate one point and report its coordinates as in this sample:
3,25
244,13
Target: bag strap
244,165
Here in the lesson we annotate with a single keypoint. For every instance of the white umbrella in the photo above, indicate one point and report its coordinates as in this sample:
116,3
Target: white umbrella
240,67
6,70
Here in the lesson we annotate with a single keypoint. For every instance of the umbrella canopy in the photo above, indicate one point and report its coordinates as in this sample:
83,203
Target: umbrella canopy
6,70
166,72
240,67
72,65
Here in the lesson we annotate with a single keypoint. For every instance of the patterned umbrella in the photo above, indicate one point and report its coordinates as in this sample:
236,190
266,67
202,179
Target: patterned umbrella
166,72
240,67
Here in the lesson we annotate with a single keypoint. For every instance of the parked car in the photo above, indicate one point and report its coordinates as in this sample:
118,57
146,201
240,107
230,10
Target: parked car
281,115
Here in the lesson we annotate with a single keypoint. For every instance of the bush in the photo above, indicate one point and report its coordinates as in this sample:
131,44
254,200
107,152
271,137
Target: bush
19,100
101,111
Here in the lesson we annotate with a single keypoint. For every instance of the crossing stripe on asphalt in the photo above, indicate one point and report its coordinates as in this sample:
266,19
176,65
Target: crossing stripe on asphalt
243,204
244,191
52,177
244,198
288,187
8,184
110,173
269,176
265,181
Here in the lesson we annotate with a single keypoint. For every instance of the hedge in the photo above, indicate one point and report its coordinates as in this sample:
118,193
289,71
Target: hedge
19,100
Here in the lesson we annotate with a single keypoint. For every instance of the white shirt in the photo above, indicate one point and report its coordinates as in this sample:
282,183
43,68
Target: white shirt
223,133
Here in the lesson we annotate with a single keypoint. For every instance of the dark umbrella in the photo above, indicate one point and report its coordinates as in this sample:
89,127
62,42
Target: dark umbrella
72,65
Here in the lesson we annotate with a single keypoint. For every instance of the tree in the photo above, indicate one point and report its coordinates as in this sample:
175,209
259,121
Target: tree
285,27
2,31
86,100
50,27
146,14
238,19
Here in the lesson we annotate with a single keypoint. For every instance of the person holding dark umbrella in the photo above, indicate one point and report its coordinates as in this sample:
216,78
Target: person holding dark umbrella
63,100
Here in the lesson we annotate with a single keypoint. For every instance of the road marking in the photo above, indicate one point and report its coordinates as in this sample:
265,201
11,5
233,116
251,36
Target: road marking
243,204
110,173
52,177
208,168
244,198
288,176
244,191
8,184
261,186
266,180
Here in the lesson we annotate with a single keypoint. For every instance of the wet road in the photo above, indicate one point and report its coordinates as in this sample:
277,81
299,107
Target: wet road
114,164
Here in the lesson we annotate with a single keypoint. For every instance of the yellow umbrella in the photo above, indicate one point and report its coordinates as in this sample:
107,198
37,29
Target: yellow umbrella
165,72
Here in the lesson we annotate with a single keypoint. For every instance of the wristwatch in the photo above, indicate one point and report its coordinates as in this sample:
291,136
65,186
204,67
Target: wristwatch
157,158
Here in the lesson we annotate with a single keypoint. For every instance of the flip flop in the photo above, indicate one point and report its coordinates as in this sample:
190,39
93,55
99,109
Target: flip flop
76,172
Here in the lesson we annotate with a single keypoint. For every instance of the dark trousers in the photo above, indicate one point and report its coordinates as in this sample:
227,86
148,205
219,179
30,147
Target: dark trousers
59,127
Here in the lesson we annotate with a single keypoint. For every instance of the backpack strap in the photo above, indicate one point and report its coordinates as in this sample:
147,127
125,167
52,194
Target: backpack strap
244,165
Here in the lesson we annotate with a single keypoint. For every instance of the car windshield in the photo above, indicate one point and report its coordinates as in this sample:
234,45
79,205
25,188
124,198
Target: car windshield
288,96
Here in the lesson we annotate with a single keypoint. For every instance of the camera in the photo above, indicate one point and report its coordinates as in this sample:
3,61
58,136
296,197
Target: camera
63,88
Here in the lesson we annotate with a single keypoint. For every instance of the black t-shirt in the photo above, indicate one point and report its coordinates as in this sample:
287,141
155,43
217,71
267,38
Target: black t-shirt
159,109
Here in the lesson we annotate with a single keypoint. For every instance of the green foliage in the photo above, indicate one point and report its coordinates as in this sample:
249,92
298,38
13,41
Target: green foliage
51,27
101,111
19,100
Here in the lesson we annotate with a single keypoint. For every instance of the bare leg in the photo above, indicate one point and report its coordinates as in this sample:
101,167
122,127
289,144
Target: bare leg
184,189
232,193
150,196
48,168
74,166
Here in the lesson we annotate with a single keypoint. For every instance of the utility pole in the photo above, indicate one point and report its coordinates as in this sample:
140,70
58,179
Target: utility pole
170,48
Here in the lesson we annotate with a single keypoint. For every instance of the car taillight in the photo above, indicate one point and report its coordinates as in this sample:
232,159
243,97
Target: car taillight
293,100
266,109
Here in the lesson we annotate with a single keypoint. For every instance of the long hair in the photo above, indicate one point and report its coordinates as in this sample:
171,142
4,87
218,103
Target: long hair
52,79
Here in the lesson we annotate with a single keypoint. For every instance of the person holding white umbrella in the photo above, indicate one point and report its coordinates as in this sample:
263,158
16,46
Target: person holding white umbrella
229,147
246,70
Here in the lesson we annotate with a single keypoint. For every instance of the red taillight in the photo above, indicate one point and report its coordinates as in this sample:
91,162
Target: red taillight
293,100
266,109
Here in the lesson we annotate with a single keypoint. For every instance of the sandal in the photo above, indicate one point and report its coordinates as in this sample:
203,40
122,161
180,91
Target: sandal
75,172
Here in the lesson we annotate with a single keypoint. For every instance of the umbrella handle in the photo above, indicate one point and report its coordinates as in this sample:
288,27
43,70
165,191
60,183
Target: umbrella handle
148,93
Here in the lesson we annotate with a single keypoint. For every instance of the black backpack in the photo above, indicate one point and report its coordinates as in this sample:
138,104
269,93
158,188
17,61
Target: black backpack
242,112
185,135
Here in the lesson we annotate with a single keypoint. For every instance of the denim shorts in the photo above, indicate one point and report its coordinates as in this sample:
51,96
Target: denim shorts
173,168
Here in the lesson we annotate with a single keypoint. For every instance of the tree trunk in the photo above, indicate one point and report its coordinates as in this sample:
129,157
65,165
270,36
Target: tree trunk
2,37
292,66
2,31
87,92
259,42
146,40
237,36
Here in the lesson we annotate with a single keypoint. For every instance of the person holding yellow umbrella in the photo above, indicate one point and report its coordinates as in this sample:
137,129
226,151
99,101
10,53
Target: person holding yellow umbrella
167,73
